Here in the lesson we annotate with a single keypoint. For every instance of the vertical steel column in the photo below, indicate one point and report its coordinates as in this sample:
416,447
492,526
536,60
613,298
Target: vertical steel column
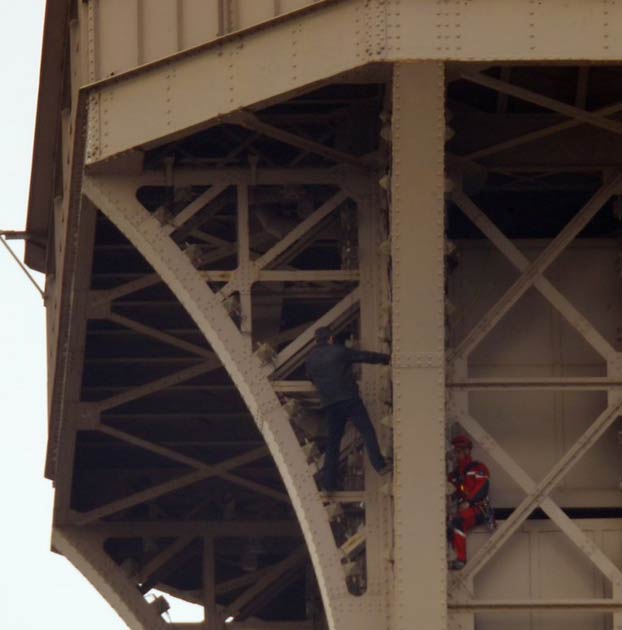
417,226
211,620
373,267
244,261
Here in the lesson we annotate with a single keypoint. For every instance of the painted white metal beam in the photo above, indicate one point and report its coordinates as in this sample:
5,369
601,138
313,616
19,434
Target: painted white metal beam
353,33
418,359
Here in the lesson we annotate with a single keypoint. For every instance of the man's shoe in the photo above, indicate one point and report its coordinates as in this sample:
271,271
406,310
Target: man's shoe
456,565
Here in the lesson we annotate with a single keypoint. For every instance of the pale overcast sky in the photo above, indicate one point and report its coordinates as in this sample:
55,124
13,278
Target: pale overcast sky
38,589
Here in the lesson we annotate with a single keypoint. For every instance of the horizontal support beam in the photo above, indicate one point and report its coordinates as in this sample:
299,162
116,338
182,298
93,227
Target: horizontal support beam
230,529
288,275
171,486
502,606
545,383
345,28
294,387
253,625
543,101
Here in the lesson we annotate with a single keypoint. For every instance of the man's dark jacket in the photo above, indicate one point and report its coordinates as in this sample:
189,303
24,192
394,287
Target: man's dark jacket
329,368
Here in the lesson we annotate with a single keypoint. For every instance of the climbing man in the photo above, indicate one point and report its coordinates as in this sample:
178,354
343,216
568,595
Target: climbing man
471,480
329,367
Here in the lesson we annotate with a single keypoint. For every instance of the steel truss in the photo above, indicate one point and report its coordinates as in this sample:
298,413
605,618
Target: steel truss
251,369
462,601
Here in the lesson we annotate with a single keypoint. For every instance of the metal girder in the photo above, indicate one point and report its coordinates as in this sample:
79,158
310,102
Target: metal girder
538,99
105,297
115,196
244,264
154,333
213,617
265,176
192,208
159,560
271,575
233,529
193,463
84,550
66,376
250,121
348,42
535,269
546,288
566,383
538,494
250,271
159,384
503,606
418,360
253,625
538,135
158,490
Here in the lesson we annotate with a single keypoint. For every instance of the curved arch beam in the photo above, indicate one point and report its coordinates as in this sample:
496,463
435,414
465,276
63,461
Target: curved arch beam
85,551
115,196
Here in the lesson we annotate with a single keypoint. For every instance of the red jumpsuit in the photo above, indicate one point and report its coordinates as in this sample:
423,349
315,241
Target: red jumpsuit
472,481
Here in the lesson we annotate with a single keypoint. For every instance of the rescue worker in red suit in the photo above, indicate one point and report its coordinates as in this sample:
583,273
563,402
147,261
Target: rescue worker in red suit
471,480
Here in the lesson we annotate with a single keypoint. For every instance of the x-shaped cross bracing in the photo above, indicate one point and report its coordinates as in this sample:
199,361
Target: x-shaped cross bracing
116,197
532,272
520,261
538,493
596,119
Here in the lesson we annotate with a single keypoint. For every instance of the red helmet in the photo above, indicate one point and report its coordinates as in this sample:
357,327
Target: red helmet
462,441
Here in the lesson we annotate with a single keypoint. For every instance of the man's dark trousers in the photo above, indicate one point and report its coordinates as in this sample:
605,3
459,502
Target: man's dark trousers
338,414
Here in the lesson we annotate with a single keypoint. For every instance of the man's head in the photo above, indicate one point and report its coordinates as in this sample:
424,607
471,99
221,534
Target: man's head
463,446
323,335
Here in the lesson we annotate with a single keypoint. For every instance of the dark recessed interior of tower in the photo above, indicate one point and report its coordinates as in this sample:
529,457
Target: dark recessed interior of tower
529,190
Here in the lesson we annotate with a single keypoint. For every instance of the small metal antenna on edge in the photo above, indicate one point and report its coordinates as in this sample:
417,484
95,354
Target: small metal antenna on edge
3,239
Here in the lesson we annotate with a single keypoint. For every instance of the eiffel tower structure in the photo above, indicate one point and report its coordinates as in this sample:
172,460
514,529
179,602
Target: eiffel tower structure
439,180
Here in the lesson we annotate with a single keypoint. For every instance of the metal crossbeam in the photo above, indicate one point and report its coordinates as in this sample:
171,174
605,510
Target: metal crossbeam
543,101
234,584
159,335
562,383
535,269
249,121
107,296
170,486
522,263
507,605
174,528
192,462
538,494
244,265
259,264
159,384
158,561
337,312
197,205
272,575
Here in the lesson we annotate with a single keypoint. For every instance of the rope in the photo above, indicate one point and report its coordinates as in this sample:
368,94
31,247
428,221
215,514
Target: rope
22,266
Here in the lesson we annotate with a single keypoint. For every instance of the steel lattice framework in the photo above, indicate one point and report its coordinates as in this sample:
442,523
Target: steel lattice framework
216,180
